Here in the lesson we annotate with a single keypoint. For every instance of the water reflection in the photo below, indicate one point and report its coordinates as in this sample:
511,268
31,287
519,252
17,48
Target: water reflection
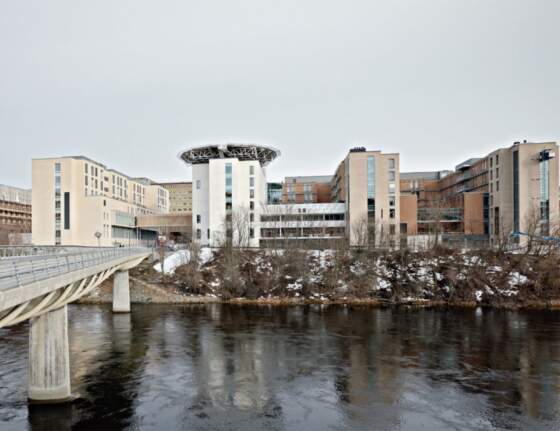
316,367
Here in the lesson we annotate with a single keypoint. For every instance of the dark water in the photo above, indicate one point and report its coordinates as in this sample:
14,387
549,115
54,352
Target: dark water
301,368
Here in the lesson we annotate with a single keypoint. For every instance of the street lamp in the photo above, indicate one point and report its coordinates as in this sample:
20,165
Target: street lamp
97,234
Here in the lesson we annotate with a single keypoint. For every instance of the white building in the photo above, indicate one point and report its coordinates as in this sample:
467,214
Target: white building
229,192
314,223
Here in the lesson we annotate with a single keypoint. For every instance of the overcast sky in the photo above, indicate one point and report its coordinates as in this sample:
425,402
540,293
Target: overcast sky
131,83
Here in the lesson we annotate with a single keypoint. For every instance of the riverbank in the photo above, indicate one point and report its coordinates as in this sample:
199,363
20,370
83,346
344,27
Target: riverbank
438,278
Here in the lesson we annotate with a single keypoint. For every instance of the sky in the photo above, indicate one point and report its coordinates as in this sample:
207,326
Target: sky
132,83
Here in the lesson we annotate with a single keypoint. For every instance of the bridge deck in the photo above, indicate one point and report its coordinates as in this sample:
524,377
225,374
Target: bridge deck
22,269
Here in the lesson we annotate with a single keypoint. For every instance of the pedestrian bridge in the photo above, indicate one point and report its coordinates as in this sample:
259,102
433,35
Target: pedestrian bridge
37,283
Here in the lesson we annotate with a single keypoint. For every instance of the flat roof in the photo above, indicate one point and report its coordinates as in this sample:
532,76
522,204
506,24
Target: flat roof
243,152
87,159
309,179
175,183
430,175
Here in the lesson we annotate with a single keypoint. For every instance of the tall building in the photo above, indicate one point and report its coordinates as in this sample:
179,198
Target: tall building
78,201
180,197
367,182
523,180
15,215
229,192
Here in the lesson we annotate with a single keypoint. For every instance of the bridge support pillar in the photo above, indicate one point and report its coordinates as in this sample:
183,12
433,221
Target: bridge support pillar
121,292
49,363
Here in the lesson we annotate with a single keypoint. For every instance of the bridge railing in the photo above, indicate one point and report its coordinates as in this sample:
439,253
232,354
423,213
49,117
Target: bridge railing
34,250
21,270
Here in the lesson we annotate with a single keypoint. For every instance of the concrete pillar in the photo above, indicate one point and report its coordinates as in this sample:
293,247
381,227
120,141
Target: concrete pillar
121,292
49,364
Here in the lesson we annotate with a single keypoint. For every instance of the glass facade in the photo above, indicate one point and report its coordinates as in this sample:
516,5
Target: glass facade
229,187
371,187
544,169
274,193
515,192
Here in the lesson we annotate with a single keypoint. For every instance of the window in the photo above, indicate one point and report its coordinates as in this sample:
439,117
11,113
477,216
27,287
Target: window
491,161
252,181
251,232
491,175
66,210
391,229
229,188
491,188
251,170
391,188
392,201
497,159
251,217
392,213
391,175
252,194
252,205
198,184
497,173
198,234
86,168
198,218
86,180
391,163
208,233
497,186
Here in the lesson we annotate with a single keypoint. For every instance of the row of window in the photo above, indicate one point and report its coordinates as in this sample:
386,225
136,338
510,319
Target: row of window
301,217
57,204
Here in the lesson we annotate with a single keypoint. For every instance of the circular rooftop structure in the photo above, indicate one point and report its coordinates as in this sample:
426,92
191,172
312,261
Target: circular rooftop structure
198,155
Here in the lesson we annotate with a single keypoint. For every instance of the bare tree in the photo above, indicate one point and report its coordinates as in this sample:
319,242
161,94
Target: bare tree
360,232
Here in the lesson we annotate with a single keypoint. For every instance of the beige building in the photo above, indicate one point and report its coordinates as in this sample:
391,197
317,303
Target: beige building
523,184
368,183
77,201
180,197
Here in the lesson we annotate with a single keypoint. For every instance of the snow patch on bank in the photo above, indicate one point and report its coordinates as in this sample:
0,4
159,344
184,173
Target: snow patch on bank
183,257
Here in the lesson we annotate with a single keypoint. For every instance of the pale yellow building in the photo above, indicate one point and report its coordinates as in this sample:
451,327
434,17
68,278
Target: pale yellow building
78,201
180,197
368,183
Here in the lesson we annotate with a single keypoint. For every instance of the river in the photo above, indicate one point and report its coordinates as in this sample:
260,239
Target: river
223,367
